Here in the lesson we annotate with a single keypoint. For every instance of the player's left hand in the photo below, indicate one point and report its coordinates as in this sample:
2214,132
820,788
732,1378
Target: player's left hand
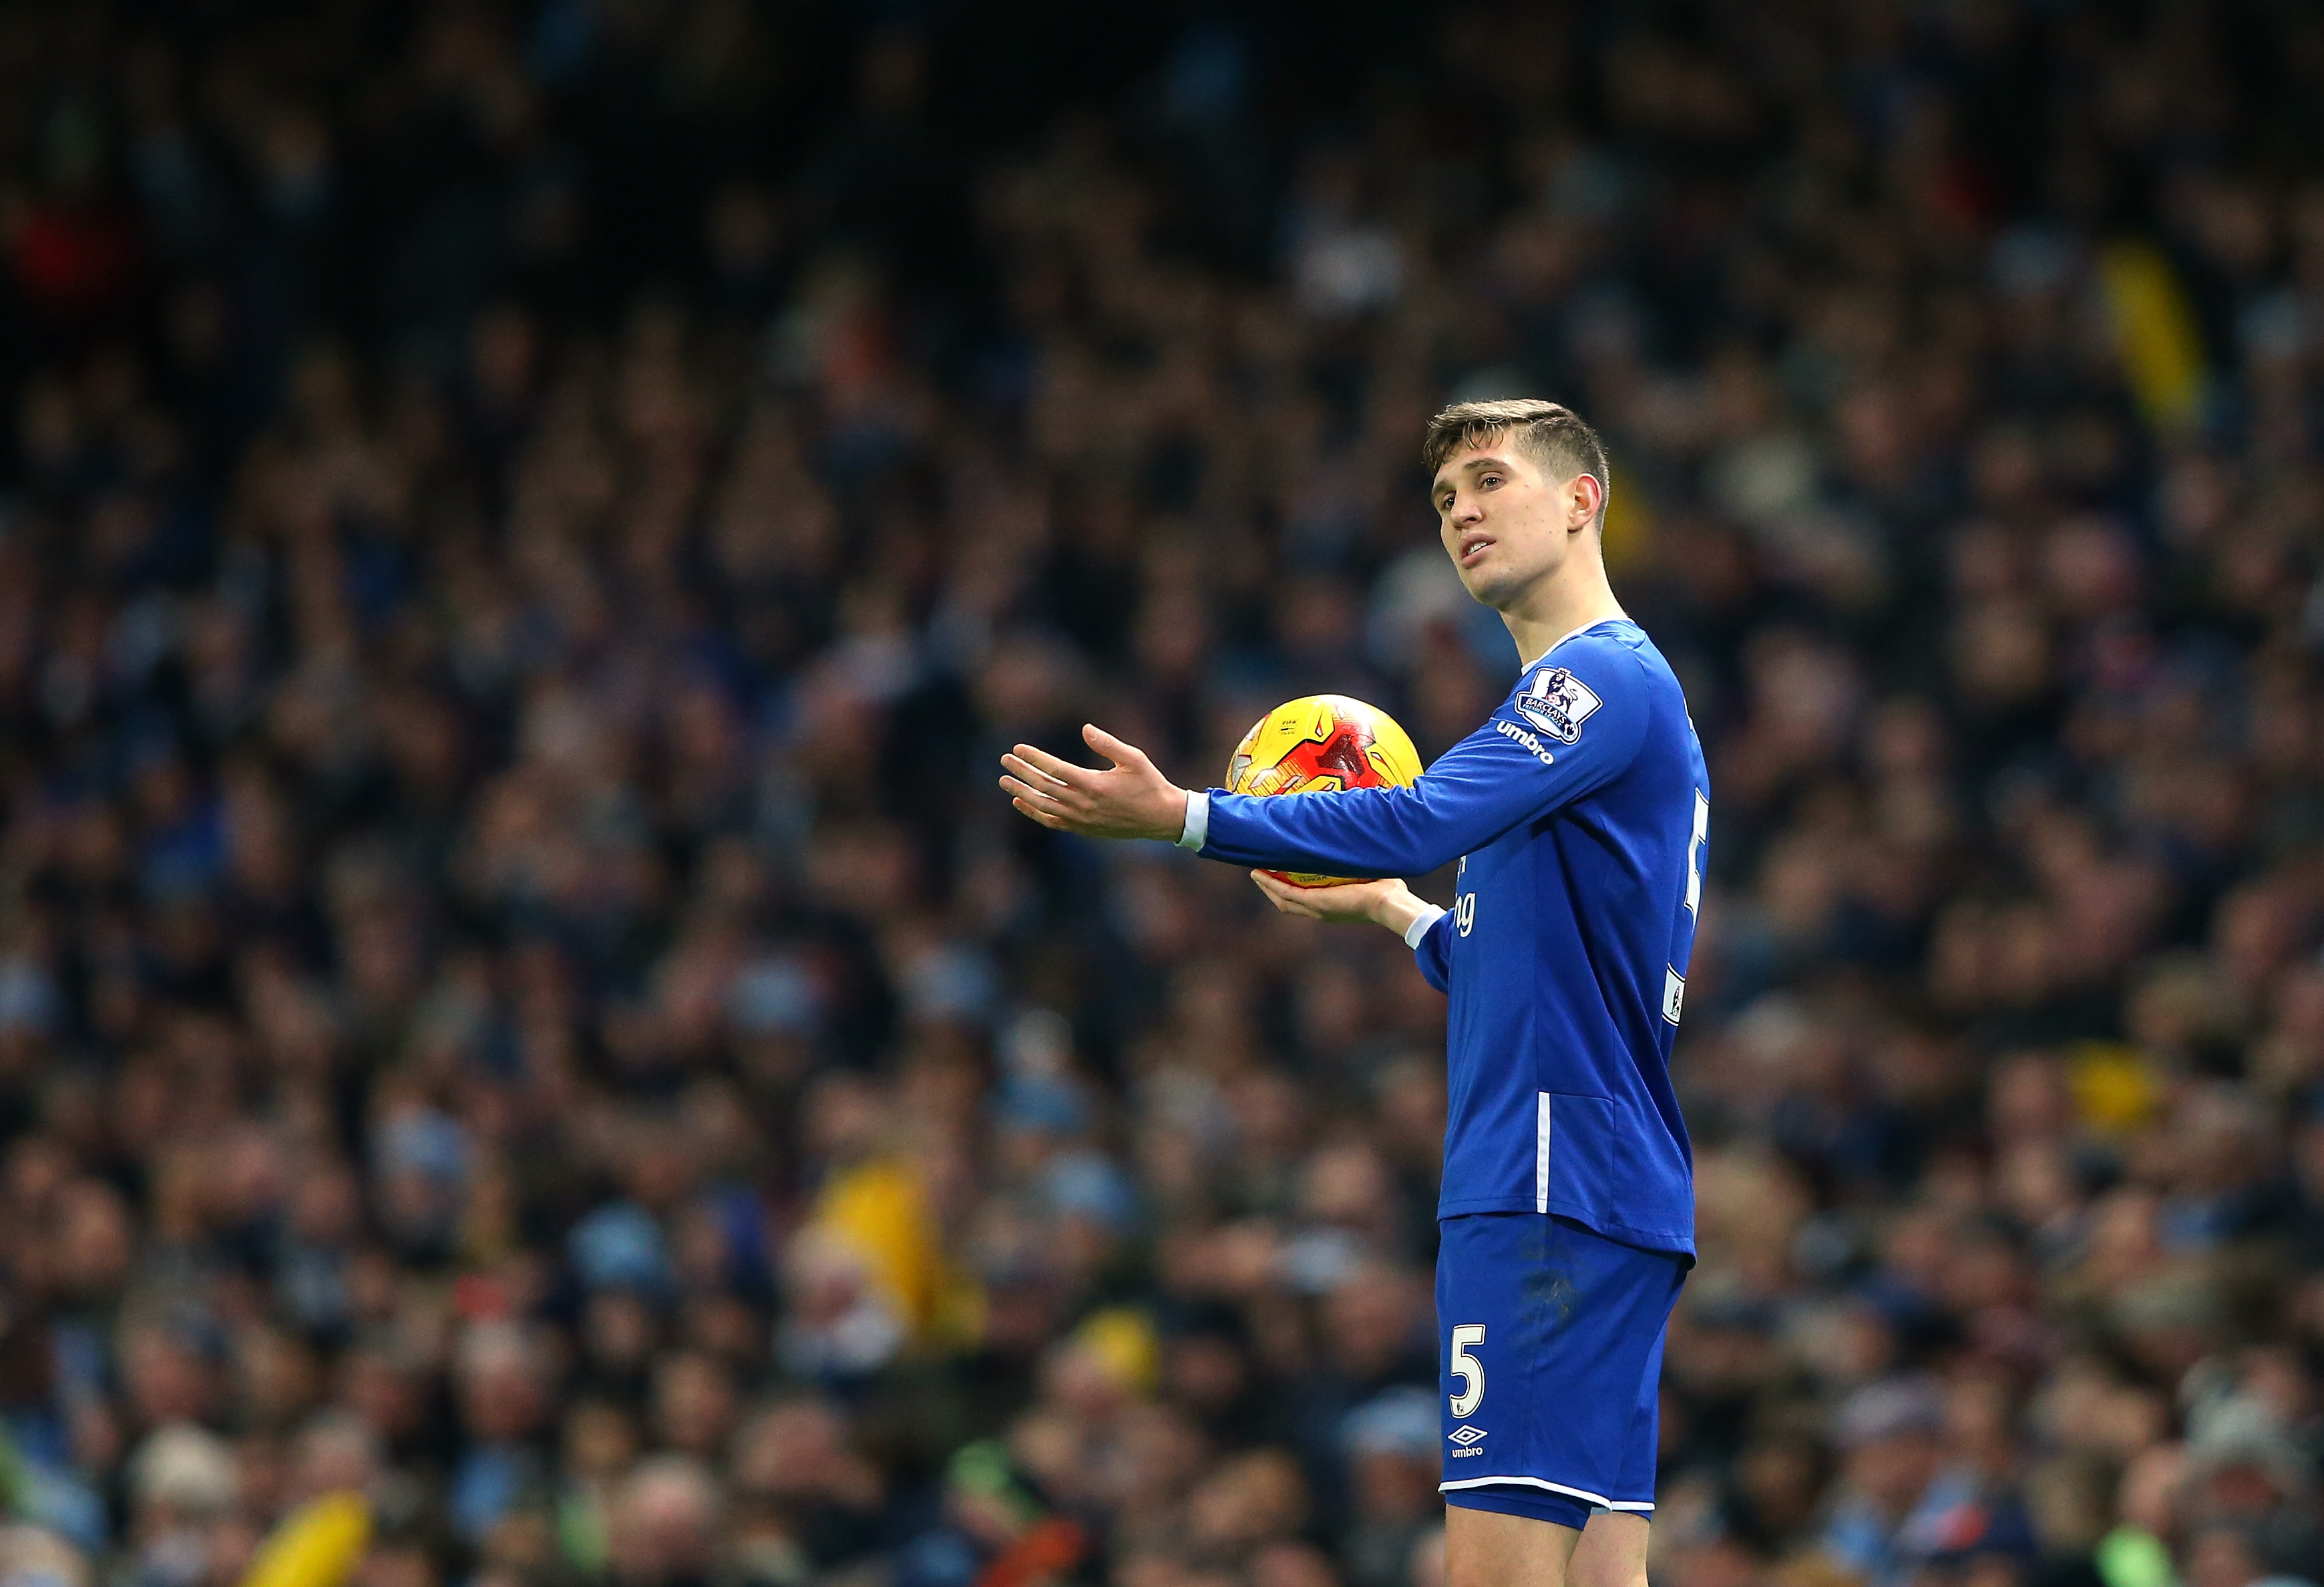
1385,903
1131,800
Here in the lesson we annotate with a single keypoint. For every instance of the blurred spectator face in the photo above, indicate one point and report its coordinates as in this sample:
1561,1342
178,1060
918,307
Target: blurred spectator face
2124,1244
1979,1423
1347,1187
422,1177
2238,1485
728,1327
398,1564
741,228
2150,1491
2170,1319
1392,1455
2222,1143
503,1383
1207,1373
31,1553
1368,1320
1894,1470
1427,1568
1391,1485
94,1242
662,1529
838,1319
1078,1379
795,1449
326,1205
1984,1570
1157,1453
2028,1100
1292,1564
170,1379
334,1454
1783,1481
1412,1112
180,1478
184,1483
694,1404
380,1390
599,1441
1892,1448
1251,1500
275,1374
2066,1498
2223,1556
2035,1183
620,1332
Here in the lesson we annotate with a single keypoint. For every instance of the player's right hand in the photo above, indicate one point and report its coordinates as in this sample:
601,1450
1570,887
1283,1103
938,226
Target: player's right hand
1130,800
1386,902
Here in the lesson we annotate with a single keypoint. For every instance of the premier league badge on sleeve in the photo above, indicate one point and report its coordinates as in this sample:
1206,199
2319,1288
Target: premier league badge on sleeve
1557,702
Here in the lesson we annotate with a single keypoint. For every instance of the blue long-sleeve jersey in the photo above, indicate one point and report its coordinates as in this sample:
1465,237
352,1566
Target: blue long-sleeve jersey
1580,812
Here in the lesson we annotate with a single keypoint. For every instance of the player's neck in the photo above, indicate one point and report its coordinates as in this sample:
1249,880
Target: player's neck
1570,599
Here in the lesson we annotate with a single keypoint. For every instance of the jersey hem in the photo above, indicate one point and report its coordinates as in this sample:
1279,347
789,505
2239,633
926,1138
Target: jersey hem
1671,1242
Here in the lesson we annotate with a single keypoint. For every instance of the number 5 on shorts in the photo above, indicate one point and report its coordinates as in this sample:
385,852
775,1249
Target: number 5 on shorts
1467,1369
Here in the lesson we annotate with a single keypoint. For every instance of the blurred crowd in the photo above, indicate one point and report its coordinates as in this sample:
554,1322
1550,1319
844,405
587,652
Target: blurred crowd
526,527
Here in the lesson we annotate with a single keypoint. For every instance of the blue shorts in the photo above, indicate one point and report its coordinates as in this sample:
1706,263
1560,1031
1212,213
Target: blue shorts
1550,1338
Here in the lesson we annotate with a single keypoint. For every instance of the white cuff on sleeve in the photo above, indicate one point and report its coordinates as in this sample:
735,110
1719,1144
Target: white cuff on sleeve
1429,915
1198,829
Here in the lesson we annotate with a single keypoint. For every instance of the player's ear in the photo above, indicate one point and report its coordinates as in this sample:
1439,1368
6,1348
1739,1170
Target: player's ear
1588,502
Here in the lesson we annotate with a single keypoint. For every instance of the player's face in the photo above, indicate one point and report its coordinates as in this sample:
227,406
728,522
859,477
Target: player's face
1504,522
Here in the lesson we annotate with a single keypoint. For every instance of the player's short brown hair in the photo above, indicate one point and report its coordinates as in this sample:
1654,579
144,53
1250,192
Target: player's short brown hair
1551,433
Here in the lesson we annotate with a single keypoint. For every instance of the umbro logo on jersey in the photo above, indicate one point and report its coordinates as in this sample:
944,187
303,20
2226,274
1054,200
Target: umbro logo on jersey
1557,702
1526,740
1464,1435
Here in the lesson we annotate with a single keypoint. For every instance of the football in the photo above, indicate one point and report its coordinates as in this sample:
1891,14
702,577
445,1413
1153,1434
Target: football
1320,744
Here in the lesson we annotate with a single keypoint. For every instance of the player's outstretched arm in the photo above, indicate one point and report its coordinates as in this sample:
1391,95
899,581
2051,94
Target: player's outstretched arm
1503,773
1130,800
1386,902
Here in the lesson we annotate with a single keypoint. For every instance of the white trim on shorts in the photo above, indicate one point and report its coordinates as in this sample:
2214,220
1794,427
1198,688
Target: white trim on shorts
1600,1499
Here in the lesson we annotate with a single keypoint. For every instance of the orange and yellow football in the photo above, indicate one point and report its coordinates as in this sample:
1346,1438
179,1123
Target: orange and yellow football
1318,744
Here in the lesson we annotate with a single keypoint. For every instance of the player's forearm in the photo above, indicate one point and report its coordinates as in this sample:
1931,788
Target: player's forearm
1365,832
1296,831
1478,789
1407,914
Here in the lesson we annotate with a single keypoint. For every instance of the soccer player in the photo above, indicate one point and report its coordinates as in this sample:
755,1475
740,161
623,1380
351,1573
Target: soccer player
1578,812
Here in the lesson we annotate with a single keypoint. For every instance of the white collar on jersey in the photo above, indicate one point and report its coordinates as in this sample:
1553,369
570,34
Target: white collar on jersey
1560,639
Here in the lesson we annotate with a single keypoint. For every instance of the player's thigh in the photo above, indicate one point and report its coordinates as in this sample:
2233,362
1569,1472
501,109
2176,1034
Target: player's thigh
1612,1552
1489,1548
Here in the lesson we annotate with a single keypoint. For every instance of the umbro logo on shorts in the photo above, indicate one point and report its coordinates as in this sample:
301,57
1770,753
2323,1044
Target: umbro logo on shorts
1465,1436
